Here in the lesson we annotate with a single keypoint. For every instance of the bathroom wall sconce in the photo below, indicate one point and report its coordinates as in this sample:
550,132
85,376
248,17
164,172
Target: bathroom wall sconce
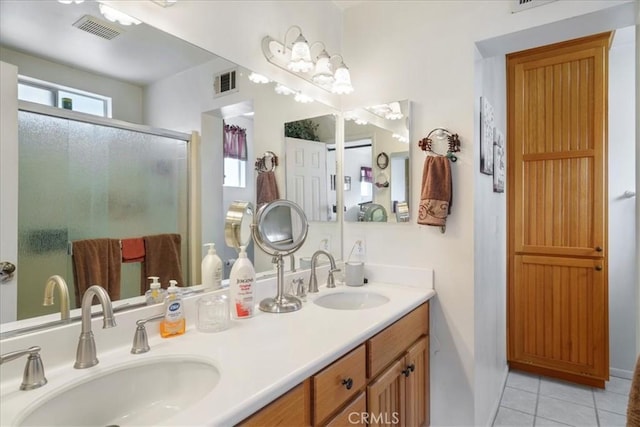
298,58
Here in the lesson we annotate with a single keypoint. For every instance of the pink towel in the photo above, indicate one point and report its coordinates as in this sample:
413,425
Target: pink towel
437,191
267,188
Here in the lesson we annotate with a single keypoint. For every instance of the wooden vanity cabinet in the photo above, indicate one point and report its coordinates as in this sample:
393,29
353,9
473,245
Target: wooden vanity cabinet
400,395
290,409
389,383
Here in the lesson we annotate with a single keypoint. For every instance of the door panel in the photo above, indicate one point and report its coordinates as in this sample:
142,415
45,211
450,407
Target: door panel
560,318
557,202
386,397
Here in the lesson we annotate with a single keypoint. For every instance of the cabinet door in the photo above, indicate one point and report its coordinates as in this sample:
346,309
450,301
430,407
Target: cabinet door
559,315
386,397
417,383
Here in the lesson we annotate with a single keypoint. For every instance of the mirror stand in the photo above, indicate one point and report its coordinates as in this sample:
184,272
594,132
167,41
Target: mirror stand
281,303
280,228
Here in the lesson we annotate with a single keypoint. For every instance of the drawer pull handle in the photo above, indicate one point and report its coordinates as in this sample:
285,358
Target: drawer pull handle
348,383
412,367
598,268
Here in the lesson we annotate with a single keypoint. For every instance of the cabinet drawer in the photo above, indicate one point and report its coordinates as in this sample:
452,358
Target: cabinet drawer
352,415
291,409
385,347
328,390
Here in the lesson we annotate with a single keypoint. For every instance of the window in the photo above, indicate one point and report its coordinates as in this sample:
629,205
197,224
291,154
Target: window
235,173
46,93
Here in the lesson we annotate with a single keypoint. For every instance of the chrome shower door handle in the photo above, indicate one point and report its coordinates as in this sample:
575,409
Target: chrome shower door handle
6,271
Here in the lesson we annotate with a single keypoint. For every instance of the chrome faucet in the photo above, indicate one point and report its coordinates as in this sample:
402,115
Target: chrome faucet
313,280
86,353
58,282
33,376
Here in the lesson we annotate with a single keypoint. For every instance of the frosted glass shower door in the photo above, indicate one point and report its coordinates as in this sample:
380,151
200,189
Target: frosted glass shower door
81,181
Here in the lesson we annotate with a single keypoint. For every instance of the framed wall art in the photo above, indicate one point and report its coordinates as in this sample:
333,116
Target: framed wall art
498,162
486,136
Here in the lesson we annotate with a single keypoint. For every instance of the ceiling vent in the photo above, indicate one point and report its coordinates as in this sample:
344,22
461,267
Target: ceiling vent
225,83
520,5
98,27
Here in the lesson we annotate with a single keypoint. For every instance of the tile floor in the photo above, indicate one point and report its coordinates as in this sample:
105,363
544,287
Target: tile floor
531,400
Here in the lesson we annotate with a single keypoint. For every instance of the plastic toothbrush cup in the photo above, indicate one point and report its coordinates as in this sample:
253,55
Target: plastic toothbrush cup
354,273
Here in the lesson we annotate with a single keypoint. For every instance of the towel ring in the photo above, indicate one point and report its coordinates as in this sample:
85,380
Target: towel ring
426,144
267,163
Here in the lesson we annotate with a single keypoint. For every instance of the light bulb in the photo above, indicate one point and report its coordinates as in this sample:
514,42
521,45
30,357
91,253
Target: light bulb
115,15
322,74
300,61
258,78
342,84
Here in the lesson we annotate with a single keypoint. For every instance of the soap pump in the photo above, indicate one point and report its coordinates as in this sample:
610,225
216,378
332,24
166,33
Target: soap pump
211,268
155,294
173,322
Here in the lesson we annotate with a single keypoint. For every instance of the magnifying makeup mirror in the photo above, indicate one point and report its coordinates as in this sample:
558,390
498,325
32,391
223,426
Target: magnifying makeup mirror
237,224
280,228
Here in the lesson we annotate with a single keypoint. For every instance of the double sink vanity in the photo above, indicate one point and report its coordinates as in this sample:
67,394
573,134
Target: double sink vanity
321,365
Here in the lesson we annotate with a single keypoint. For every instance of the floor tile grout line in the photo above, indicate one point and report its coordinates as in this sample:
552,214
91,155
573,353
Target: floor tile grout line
535,410
595,406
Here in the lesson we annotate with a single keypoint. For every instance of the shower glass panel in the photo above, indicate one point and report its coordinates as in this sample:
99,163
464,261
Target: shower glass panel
82,181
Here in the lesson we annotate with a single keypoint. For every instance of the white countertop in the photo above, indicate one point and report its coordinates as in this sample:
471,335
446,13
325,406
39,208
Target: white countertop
259,358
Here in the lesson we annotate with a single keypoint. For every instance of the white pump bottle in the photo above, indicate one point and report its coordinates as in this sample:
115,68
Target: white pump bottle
211,268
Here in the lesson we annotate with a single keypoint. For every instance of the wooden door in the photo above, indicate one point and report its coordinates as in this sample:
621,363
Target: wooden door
557,201
417,384
386,397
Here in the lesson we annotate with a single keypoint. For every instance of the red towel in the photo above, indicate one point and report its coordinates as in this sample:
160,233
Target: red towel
133,250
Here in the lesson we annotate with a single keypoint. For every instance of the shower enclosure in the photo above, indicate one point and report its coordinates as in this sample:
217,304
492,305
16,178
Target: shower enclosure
82,177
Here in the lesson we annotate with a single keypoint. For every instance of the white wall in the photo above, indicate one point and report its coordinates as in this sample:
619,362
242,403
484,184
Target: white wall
490,251
622,211
126,97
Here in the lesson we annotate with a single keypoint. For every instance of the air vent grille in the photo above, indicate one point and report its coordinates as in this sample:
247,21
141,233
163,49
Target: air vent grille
97,27
224,83
520,5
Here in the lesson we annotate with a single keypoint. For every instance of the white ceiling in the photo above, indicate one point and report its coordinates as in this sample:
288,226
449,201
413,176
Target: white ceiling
140,55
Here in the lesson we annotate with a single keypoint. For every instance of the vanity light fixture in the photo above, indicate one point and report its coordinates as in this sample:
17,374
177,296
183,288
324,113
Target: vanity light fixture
258,78
302,98
283,90
400,138
390,111
298,58
115,15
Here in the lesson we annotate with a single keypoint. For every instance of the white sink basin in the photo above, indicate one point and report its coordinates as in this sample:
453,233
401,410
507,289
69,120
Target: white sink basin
351,300
143,394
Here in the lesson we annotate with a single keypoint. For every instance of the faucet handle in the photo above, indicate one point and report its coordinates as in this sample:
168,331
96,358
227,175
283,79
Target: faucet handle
300,288
140,340
33,376
331,281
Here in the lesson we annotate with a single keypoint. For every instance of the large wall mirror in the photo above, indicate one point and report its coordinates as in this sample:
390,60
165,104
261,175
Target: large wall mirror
158,81
376,163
